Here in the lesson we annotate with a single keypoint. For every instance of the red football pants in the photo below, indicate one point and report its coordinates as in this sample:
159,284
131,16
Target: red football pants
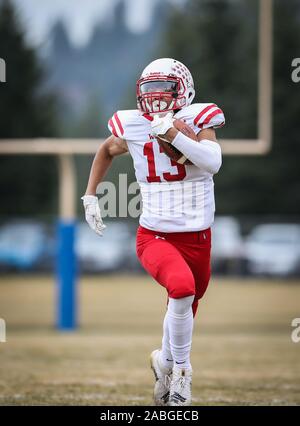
179,261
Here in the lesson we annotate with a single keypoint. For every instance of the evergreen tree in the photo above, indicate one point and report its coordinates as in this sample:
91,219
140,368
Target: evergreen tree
218,41
27,182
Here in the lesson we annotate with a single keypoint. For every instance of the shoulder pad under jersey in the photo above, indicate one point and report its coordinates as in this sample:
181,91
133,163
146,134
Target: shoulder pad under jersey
202,116
128,124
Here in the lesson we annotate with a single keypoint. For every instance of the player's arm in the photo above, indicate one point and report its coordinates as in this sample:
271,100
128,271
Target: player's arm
205,155
209,134
110,148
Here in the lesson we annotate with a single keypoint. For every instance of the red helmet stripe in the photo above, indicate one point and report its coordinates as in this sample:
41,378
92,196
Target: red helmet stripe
197,119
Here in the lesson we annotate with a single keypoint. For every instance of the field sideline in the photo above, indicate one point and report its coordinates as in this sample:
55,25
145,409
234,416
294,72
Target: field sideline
242,349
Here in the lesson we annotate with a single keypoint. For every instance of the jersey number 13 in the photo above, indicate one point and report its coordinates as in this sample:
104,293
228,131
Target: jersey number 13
153,177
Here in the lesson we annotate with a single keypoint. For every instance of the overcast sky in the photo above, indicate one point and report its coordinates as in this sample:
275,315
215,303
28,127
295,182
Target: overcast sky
80,16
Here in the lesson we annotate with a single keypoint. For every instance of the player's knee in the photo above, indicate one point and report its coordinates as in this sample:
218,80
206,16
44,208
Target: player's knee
180,306
181,285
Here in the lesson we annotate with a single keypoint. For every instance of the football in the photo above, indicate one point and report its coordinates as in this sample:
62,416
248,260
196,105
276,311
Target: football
173,152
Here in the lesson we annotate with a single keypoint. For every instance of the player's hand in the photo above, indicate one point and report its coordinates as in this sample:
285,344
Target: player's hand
93,214
160,125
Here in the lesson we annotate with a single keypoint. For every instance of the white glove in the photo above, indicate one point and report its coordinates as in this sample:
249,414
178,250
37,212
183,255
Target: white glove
160,125
93,213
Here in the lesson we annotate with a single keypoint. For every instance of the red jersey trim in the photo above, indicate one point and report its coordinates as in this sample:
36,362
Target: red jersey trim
119,123
211,116
197,119
113,129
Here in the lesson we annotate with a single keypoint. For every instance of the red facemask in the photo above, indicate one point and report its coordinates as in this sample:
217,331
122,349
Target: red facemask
160,94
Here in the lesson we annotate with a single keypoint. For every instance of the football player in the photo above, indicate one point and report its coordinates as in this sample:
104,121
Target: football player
174,238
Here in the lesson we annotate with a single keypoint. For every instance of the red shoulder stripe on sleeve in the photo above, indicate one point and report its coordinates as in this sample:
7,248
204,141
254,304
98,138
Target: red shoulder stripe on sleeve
113,128
203,112
119,123
212,115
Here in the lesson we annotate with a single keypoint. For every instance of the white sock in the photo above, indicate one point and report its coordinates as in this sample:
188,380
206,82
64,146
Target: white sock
180,325
166,358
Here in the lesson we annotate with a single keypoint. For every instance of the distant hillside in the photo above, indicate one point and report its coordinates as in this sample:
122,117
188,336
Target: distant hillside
106,69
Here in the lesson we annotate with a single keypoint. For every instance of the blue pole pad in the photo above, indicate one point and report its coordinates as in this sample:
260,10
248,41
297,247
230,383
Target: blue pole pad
66,272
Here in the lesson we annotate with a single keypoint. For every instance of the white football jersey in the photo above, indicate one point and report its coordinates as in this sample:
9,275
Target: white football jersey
175,197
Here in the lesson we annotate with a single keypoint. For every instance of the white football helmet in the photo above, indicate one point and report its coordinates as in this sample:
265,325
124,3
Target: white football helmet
165,85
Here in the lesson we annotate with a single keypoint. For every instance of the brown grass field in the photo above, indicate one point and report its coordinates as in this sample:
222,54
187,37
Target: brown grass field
242,348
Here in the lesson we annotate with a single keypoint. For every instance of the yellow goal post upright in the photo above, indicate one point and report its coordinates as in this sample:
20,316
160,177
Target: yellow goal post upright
65,149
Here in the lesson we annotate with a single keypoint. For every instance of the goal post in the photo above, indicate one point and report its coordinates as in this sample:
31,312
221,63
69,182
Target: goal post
66,149
262,145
